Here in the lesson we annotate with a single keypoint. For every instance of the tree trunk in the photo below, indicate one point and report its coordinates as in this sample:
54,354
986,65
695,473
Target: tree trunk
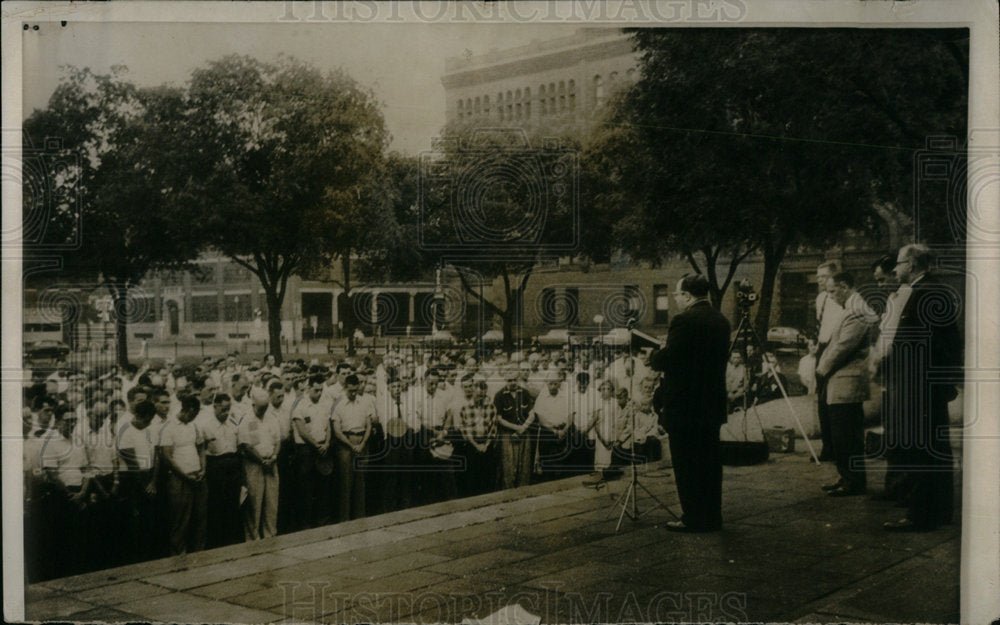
772,262
346,312
273,323
120,308
508,331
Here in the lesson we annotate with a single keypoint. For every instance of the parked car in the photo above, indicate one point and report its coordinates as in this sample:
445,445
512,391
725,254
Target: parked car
783,335
492,336
46,349
554,337
441,337
615,336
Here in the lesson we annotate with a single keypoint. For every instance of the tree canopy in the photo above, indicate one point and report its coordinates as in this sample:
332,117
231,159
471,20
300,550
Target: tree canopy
495,201
109,211
284,168
739,141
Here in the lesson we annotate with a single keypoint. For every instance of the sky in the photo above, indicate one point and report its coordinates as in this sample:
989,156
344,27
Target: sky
401,63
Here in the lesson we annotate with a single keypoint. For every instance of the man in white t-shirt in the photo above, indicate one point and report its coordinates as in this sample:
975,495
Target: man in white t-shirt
223,474
259,438
351,422
136,443
184,460
582,401
552,409
311,429
64,461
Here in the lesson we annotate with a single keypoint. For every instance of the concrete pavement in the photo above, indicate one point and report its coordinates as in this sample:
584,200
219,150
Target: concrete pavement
787,553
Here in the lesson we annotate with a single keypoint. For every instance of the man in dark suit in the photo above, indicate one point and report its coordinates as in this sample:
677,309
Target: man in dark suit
692,403
923,348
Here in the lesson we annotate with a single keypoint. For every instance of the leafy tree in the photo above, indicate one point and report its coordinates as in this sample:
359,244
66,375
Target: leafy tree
740,141
495,202
283,168
108,213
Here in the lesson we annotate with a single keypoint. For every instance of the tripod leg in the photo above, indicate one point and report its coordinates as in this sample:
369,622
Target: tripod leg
784,393
629,493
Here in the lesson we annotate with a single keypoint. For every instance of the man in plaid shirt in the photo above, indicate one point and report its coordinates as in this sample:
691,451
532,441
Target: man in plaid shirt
478,424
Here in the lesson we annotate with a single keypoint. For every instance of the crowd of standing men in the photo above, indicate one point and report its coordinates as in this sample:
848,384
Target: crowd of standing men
127,466
905,336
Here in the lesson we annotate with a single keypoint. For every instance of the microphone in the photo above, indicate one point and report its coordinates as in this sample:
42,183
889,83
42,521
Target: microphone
630,323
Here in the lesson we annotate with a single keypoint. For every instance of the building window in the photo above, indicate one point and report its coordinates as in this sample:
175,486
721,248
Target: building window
541,104
613,78
517,95
527,110
572,95
562,103
204,273
560,307
552,104
598,91
518,108
633,302
527,93
204,308
661,304
486,105
478,106
562,86
237,307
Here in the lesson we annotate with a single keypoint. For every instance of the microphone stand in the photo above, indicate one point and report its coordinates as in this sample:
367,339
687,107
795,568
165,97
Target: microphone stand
628,500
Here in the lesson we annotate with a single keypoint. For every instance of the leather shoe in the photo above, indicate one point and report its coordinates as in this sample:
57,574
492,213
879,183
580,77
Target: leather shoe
841,491
903,525
680,526
833,486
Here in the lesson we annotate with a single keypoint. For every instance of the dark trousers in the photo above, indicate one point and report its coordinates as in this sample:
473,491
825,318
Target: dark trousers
848,436
307,487
67,534
350,491
823,412
223,477
553,453
106,518
482,469
396,472
372,466
517,452
188,503
896,484
929,467
436,479
698,475
286,496
143,512
581,454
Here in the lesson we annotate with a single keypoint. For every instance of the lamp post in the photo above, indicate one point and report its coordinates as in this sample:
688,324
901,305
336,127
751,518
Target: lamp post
438,301
599,320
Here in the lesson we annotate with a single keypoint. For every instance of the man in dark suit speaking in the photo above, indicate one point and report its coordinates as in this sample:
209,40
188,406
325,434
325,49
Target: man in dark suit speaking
691,401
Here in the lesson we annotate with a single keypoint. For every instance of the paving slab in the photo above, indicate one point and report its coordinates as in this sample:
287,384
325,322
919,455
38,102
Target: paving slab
787,553
204,575
187,608
55,607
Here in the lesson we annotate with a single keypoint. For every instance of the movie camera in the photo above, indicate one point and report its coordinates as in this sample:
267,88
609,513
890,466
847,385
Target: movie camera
746,296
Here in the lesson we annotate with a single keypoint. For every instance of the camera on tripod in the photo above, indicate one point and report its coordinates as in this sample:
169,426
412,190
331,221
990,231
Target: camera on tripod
746,296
